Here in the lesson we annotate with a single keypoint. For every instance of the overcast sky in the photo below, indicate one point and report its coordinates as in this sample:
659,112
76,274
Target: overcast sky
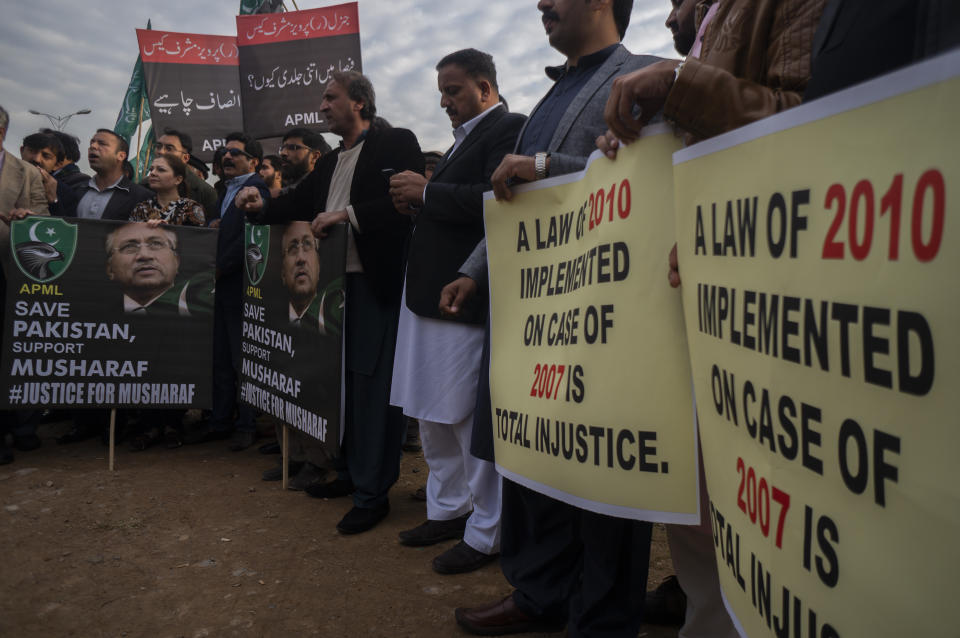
62,55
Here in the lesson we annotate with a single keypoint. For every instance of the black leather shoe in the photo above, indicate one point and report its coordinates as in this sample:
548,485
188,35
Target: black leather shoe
666,605
433,532
6,455
205,434
503,618
269,448
276,473
334,489
460,559
360,519
308,476
76,435
241,440
26,442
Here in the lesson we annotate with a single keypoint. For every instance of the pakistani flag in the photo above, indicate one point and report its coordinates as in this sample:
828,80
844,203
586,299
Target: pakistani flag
43,247
248,7
145,157
136,95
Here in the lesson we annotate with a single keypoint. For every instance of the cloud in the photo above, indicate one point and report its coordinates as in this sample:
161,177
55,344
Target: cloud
61,55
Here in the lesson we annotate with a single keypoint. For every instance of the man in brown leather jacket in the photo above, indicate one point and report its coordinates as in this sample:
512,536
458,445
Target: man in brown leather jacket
753,60
747,59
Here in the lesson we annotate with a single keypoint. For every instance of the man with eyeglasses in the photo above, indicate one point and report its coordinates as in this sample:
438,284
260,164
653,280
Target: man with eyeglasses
299,152
143,261
180,144
242,156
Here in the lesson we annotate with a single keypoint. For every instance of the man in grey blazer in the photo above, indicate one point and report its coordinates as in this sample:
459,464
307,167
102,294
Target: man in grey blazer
569,566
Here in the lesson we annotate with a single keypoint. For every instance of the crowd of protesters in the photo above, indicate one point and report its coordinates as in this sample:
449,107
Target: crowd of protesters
416,341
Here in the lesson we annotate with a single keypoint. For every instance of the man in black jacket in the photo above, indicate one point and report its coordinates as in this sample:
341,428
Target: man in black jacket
108,194
46,152
566,563
240,161
437,365
349,186
67,170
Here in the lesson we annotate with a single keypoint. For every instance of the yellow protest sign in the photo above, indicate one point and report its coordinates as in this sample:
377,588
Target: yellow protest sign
589,375
819,257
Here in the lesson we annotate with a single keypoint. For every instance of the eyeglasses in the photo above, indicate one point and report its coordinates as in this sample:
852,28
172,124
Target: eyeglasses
296,247
168,148
293,148
233,152
152,245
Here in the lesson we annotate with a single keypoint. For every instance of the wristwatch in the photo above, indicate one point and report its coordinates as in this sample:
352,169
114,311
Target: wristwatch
540,165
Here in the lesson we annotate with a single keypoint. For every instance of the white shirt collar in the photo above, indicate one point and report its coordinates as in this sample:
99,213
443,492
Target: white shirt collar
294,317
129,305
93,184
461,132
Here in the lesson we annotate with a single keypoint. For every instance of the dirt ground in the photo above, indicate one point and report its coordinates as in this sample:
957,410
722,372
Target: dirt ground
191,543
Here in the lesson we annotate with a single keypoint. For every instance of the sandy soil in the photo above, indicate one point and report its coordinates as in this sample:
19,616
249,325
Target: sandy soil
192,543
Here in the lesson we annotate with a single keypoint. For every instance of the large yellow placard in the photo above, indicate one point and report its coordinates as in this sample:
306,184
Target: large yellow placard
819,257
589,376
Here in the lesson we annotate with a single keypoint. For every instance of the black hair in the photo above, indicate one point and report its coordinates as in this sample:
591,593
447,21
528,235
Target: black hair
122,144
310,138
359,89
178,167
477,64
71,144
621,15
250,145
185,141
218,157
431,159
40,141
198,164
274,160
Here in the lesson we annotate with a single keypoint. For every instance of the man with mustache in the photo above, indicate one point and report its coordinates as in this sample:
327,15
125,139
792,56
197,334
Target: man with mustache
241,157
270,172
144,261
570,567
67,170
46,152
437,366
746,60
299,152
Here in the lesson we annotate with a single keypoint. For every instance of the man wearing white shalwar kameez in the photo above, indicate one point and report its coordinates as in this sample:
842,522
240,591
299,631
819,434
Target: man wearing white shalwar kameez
437,364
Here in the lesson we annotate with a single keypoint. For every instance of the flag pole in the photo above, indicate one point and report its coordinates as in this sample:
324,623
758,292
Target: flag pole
285,458
113,435
136,172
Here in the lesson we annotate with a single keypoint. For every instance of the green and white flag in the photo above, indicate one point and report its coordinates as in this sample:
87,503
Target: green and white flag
133,100
144,157
248,7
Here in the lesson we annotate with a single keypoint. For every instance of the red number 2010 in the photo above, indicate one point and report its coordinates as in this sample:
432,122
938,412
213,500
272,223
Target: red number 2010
862,215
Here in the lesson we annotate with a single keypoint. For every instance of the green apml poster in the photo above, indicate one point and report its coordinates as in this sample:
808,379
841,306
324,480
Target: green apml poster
105,314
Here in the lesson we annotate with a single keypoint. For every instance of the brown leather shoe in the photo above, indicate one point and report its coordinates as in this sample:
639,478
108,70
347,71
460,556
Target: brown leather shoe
503,618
